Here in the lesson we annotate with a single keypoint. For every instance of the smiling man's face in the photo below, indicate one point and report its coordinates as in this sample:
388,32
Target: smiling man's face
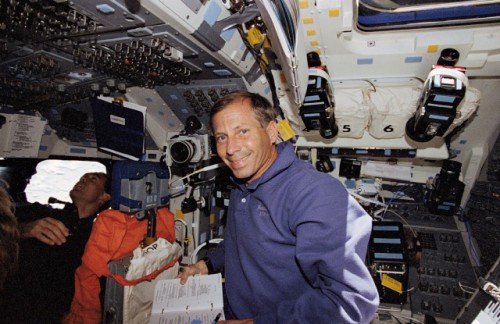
244,145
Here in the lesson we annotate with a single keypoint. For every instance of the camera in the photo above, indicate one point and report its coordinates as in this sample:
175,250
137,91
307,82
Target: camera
185,149
317,111
447,191
443,91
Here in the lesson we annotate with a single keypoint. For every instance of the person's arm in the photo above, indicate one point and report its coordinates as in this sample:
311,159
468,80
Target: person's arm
34,223
332,233
210,264
198,268
47,230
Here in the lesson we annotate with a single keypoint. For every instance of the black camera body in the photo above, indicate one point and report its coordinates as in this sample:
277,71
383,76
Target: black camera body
443,91
317,110
447,192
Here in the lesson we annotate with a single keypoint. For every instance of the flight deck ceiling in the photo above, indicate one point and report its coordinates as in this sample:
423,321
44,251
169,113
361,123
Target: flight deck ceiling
55,52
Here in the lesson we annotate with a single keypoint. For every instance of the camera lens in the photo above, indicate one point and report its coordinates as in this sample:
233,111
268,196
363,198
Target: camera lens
448,57
182,151
450,171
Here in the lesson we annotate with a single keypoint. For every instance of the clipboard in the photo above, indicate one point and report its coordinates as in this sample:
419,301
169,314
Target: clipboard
120,127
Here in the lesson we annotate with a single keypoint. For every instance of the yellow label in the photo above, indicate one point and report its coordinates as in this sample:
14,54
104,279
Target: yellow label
179,214
432,48
311,32
212,219
334,12
308,20
392,283
303,4
286,132
254,36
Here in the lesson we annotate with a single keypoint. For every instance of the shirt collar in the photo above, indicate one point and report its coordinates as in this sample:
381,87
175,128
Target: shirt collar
286,156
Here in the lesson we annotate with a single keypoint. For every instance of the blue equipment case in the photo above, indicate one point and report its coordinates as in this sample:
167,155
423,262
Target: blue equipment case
139,186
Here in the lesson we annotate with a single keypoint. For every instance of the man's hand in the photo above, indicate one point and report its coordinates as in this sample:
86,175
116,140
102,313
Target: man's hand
193,269
47,230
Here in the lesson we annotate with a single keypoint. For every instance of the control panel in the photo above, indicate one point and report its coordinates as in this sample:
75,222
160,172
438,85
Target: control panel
441,274
443,280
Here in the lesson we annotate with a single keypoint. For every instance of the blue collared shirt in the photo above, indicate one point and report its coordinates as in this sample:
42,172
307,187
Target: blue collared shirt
294,248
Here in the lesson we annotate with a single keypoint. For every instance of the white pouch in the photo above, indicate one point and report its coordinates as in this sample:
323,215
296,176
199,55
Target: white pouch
391,107
138,297
351,112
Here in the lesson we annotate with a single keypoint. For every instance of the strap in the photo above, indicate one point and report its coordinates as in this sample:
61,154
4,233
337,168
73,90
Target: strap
124,282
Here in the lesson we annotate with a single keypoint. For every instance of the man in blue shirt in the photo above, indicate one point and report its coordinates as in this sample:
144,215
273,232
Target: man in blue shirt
295,240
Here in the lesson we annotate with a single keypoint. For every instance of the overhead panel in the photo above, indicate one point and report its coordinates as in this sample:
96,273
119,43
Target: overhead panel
56,52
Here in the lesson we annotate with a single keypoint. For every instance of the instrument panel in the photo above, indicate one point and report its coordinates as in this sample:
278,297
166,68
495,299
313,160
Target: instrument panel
56,52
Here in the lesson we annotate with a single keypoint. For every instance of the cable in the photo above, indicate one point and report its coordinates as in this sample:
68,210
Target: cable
169,172
466,289
179,190
396,194
183,222
194,256
193,226
185,240
373,86
474,253
404,220
396,313
412,320
367,199
207,168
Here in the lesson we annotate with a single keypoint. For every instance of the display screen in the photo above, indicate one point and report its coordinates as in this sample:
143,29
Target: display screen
391,256
443,98
312,98
309,115
380,240
438,117
385,228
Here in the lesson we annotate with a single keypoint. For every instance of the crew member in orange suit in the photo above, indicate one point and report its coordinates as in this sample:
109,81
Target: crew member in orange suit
115,234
